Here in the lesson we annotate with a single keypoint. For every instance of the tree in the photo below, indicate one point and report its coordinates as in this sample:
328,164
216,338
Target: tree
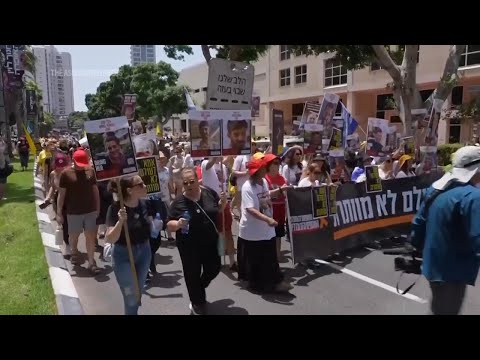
400,63
76,119
148,81
170,101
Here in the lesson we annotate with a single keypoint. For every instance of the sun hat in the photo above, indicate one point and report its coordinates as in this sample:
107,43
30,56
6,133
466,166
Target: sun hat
254,165
465,164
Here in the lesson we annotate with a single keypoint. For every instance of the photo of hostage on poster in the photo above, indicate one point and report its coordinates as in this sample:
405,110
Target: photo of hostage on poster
336,146
237,133
145,145
129,105
392,138
353,142
137,128
431,135
111,147
327,112
205,134
407,144
312,139
373,182
147,170
309,116
338,169
428,160
377,137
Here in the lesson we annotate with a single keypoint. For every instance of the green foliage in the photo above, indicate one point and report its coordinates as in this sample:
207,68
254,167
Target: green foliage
471,109
148,81
176,51
49,118
445,153
244,53
76,119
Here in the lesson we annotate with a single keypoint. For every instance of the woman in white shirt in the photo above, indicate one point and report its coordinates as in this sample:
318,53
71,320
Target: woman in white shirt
176,165
257,253
292,170
404,165
313,176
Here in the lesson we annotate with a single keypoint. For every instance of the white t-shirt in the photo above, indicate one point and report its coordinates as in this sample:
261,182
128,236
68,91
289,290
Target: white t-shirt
240,164
255,196
290,175
210,177
305,182
188,161
164,178
176,163
401,175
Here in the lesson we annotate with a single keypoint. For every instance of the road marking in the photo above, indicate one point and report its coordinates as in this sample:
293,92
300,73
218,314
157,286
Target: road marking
372,281
62,282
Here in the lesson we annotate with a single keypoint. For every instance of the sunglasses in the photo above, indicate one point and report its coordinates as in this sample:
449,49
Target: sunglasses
189,182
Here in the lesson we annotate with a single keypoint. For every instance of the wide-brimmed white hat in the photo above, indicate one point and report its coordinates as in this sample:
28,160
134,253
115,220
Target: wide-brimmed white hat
465,162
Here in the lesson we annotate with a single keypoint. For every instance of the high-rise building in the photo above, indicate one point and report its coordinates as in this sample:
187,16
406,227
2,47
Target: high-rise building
141,54
53,74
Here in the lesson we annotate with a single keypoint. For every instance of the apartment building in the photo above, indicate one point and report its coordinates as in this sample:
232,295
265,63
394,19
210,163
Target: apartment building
142,54
285,81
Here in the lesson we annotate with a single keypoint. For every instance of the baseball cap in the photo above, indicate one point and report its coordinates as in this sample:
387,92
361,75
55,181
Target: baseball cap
61,160
81,159
254,165
258,156
465,164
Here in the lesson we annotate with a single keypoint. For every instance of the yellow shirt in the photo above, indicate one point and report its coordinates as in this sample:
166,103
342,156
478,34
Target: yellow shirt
42,157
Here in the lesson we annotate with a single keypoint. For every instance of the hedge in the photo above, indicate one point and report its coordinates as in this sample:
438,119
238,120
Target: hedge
445,152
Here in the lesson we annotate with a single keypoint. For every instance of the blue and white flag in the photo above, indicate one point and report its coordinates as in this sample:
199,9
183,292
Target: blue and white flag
190,103
350,123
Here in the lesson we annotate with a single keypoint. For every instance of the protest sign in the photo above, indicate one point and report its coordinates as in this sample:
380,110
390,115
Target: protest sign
431,135
327,111
205,134
237,133
111,147
408,145
332,200
377,136
353,142
145,145
428,159
319,201
310,113
129,105
137,127
312,138
373,183
230,85
147,169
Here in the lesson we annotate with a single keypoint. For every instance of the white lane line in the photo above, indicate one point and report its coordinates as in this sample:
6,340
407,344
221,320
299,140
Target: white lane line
62,282
372,281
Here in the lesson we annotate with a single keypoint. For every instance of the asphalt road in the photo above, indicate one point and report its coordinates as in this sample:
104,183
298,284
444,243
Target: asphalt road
361,282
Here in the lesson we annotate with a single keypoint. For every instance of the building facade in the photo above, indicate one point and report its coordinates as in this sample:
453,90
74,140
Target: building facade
142,54
285,81
53,74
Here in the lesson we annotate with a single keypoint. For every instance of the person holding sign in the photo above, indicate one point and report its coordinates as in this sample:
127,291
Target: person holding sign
194,217
404,165
314,173
135,214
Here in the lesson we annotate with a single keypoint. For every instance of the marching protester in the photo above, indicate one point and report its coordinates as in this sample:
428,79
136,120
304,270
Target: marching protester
44,163
276,183
23,152
175,167
214,175
166,186
258,262
292,170
78,193
194,216
324,176
313,176
447,231
237,179
404,167
359,170
136,214
385,169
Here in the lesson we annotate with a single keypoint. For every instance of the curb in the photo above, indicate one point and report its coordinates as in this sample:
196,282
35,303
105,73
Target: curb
68,302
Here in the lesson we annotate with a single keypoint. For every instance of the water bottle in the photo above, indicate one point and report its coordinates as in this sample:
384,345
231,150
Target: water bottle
186,216
156,226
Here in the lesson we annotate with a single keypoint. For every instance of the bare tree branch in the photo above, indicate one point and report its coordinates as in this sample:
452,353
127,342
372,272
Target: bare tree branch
206,53
387,63
450,73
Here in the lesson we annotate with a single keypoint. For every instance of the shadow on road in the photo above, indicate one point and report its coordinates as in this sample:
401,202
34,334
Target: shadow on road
224,307
166,280
163,259
168,296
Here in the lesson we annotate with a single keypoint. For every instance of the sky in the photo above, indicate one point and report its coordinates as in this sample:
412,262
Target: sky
93,64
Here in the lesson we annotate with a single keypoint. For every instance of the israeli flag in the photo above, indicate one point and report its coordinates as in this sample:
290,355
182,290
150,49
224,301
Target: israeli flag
190,103
350,123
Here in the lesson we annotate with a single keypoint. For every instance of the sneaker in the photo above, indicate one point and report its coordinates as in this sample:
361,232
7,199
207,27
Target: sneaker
197,309
68,250
283,287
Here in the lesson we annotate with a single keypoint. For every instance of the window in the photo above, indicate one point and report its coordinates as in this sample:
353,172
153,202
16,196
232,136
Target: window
394,119
425,94
301,74
284,52
196,91
471,56
457,96
384,102
454,131
204,89
335,73
285,77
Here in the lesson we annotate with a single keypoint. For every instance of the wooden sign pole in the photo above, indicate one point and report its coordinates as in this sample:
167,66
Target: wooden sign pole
129,245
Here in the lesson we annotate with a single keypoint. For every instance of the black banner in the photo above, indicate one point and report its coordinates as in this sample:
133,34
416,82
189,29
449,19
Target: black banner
277,131
31,98
361,217
147,169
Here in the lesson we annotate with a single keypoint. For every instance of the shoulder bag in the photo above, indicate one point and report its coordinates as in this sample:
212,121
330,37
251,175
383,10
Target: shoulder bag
220,240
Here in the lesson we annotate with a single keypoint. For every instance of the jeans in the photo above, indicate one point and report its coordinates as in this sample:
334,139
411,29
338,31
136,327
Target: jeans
121,267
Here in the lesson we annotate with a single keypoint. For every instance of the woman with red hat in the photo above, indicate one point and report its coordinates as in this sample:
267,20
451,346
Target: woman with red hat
257,254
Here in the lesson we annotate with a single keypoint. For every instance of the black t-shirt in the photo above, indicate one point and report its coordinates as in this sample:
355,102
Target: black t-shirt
138,224
199,224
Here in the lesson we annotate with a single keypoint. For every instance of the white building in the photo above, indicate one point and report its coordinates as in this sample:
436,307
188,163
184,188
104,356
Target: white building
53,74
141,54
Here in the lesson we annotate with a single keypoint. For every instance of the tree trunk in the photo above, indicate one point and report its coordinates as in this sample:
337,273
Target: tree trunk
234,53
206,53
